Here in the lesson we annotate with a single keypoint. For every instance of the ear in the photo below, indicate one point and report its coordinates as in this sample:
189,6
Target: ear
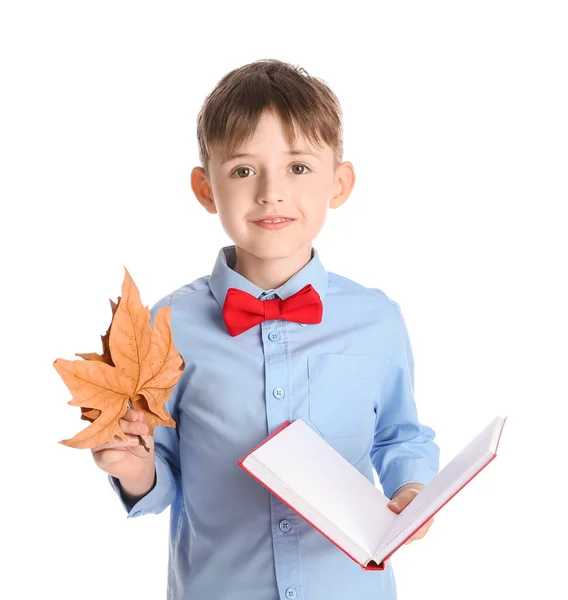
344,183
202,189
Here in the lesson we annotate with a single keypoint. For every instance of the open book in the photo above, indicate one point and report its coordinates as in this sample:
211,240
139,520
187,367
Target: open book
317,482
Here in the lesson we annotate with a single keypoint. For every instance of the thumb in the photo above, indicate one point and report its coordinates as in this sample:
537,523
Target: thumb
402,500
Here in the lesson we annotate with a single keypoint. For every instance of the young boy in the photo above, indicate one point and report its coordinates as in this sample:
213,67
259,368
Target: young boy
272,336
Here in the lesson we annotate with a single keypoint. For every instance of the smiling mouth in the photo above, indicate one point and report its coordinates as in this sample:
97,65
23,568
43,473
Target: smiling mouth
274,224
275,220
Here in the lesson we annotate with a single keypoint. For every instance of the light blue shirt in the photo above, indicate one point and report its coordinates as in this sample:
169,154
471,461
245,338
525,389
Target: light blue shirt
350,378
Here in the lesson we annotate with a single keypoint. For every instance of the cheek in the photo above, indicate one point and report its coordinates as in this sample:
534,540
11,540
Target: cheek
315,203
317,194
314,217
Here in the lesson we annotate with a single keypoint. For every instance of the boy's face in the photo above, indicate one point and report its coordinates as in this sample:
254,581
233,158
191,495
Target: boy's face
271,181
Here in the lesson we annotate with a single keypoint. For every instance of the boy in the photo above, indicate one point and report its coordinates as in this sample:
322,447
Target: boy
269,336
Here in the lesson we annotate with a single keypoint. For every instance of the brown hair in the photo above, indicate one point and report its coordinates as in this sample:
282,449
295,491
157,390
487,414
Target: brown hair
230,113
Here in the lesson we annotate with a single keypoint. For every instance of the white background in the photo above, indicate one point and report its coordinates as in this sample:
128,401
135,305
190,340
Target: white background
455,118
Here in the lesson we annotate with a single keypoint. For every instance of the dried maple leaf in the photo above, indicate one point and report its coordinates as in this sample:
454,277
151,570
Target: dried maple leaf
106,356
139,367
90,414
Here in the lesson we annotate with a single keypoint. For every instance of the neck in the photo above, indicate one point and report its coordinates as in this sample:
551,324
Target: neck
270,273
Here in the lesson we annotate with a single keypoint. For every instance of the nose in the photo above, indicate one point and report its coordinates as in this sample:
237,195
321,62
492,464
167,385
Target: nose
270,189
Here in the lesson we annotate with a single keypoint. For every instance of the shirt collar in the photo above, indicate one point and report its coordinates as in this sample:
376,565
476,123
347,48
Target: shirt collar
224,277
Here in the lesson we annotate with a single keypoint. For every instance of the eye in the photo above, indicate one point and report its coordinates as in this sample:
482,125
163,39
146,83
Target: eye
249,169
241,169
301,165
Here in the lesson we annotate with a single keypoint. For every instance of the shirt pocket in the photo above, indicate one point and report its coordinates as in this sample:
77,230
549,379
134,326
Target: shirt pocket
341,388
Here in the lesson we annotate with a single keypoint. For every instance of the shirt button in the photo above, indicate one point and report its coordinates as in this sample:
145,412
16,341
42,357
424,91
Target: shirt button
273,336
278,393
284,525
290,593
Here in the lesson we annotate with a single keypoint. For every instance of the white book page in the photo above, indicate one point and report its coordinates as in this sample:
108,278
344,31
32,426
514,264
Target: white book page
444,485
304,462
308,512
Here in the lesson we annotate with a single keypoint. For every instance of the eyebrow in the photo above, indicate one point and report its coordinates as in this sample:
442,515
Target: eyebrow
300,152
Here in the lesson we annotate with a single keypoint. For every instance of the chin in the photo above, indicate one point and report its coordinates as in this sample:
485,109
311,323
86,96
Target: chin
271,249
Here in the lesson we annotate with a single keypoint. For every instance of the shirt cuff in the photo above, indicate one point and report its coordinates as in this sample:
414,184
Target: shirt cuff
157,499
406,471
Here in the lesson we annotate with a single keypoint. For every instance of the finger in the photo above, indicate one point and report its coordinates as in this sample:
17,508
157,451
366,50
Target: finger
402,500
421,532
415,537
134,427
117,443
131,415
424,529
112,456
399,503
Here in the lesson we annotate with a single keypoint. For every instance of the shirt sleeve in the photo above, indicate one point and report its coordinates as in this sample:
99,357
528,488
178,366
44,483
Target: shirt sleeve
166,452
403,449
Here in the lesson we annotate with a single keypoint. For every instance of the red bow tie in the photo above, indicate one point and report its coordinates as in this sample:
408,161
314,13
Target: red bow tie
242,310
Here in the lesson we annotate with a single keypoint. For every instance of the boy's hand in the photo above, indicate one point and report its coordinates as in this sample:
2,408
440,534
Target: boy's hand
128,461
404,496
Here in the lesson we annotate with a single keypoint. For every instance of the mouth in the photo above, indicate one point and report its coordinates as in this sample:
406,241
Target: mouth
279,223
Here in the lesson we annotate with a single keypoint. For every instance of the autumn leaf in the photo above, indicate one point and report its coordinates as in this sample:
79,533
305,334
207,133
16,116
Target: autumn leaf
105,357
90,414
139,367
